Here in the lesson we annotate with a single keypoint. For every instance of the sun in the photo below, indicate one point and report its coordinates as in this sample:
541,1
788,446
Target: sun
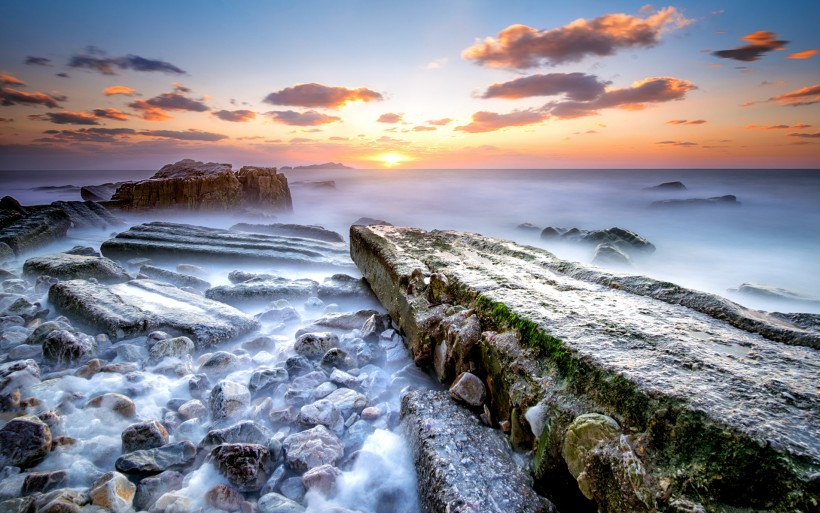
392,159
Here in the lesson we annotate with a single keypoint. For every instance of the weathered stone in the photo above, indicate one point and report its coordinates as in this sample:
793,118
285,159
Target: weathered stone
114,402
193,409
298,365
176,347
219,363
315,345
102,192
609,254
312,448
338,358
263,289
168,457
63,348
18,505
113,491
344,379
223,497
285,315
347,401
458,460
174,278
468,387
322,478
63,500
42,482
338,322
171,502
585,432
144,435
263,187
341,286
29,230
276,503
16,379
24,442
763,290
86,215
72,267
246,466
150,489
243,432
169,241
228,399
324,413
141,306
681,371
264,381
290,230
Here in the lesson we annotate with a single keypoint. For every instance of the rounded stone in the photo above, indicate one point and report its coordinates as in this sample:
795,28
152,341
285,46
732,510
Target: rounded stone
114,402
113,491
144,435
314,345
582,435
467,387
228,399
24,442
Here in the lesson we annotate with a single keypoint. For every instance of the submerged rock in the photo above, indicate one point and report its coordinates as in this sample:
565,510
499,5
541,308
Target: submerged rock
667,186
73,267
88,215
141,306
458,460
290,230
174,278
262,289
169,242
689,376
168,457
763,290
728,200
312,448
144,435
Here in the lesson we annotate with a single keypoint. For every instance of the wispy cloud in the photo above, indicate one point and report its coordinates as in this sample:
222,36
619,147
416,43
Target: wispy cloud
576,86
491,121
635,97
67,118
37,61
10,96
423,128
124,90
761,41
805,96
10,80
520,46
96,60
778,127
111,113
149,112
440,122
87,135
156,108
309,118
318,95
390,117
686,122
437,63
237,116
677,143
184,135
805,54
814,135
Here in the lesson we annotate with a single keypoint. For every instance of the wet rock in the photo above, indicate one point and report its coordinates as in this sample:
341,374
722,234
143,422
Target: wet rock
276,503
62,348
219,362
71,267
63,500
341,286
83,251
223,497
347,401
193,409
173,503
667,186
114,402
199,385
141,306
144,435
528,228
261,289
324,413
152,488
298,366
367,221
264,381
356,434
322,478
293,489
18,505
246,466
762,290
16,379
728,200
24,230
583,434
42,482
86,215
164,242
464,472
24,442
174,278
176,347
312,448
101,192
338,358
168,457
113,491
467,387
290,230
243,432
338,322
285,315
228,399
20,306
344,379
610,255
315,345
15,286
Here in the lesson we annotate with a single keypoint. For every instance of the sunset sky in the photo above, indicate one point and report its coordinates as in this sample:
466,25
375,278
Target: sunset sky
423,84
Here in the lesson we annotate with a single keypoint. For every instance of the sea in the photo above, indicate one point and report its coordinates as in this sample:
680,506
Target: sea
772,237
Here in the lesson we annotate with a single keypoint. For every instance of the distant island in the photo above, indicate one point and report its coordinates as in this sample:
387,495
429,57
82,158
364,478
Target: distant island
326,165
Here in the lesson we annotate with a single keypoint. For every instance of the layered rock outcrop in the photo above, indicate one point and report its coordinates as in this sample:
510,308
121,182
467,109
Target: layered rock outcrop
198,186
637,394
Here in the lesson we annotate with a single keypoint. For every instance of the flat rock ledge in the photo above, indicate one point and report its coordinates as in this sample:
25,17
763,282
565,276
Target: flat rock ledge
638,395
460,462
138,307
171,241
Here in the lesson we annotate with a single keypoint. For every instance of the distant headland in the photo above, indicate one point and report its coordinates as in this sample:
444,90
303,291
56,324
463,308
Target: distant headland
326,165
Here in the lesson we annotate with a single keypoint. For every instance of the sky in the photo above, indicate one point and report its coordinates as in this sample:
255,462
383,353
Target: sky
422,84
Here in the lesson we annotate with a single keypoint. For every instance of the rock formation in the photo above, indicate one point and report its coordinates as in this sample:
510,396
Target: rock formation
687,387
197,186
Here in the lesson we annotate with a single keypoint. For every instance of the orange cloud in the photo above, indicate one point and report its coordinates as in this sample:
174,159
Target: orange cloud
237,116
67,118
422,128
520,46
127,91
389,117
814,135
803,55
762,41
635,97
439,122
490,121
10,80
686,122
9,96
677,143
149,112
111,113
805,96
576,86
318,95
309,118
777,127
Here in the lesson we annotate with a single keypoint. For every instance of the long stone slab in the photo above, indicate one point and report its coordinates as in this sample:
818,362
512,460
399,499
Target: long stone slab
716,406
138,307
172,242
461,464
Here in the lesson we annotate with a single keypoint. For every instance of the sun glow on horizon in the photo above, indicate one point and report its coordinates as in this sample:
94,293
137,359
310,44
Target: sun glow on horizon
392,159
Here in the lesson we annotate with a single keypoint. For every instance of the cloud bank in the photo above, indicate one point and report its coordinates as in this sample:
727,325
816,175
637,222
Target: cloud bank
318,95
761,41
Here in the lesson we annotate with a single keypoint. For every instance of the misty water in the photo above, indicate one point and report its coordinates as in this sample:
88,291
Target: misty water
771,238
